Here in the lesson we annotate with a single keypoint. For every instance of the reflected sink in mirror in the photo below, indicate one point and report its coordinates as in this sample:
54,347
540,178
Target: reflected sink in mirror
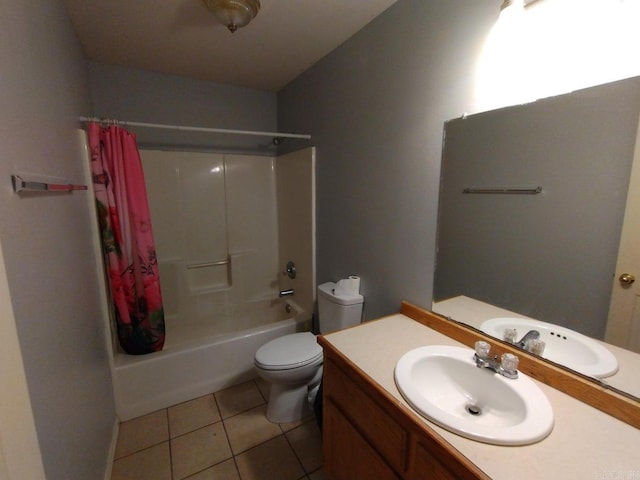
564,346
443,384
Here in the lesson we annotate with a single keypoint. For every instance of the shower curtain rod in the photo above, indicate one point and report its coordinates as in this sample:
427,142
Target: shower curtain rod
197,129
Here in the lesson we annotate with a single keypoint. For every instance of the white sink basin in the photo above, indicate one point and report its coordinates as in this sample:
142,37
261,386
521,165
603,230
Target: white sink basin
564,346
444,385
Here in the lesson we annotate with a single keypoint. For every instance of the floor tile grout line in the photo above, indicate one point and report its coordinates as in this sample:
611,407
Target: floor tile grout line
156,442
170,445
191,475
220,420
233,455
264,397
235,462
141,450
264,401
256,445
171,437
283,434
295,455
195,430
243,411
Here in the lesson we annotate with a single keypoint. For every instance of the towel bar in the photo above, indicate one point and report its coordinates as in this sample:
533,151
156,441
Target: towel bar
19,185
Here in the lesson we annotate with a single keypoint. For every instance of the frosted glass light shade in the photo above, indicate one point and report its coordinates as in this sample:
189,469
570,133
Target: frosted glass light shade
234,13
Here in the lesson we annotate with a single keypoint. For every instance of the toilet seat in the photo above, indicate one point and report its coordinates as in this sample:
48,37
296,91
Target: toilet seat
291,351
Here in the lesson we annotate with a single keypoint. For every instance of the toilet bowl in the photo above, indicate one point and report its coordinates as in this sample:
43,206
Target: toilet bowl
292,364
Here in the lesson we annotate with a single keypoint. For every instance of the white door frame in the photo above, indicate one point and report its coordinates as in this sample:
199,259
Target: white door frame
20,456
623,324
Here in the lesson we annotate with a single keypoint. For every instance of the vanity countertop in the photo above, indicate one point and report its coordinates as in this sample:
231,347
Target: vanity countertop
584,444
474,312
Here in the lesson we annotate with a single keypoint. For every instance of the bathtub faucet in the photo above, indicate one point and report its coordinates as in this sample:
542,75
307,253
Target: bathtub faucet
286,293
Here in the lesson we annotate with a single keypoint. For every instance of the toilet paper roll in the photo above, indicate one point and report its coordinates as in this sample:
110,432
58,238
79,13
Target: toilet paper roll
349,285
354,283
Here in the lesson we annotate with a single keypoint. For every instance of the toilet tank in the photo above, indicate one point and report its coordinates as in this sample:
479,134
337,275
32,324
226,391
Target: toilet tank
337,309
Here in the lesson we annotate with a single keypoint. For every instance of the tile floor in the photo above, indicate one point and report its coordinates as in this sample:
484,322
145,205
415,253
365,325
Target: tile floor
221,436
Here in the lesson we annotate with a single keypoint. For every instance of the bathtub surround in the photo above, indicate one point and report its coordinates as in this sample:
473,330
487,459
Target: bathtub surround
215,219
296,199
226,225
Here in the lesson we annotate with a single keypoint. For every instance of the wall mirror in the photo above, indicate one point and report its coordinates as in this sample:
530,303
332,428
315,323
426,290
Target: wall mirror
532,206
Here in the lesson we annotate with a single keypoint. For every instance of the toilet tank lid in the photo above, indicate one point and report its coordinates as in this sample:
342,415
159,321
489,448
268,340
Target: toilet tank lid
330,292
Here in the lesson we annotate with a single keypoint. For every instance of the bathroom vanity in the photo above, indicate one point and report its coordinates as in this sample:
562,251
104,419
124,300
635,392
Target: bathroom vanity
370,431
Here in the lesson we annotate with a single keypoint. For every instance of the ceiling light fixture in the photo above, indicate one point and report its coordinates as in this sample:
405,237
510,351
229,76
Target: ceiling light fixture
520,3
234,13
505,4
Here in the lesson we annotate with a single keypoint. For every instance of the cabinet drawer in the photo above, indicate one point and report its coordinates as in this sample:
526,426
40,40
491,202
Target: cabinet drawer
379,429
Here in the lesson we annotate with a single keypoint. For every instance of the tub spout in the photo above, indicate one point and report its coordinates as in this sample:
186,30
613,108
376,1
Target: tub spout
286,293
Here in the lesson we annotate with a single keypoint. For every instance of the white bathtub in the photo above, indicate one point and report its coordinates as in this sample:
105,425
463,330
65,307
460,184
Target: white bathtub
189,369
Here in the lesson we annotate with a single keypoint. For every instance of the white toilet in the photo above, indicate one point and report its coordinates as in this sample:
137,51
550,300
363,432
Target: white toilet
292,364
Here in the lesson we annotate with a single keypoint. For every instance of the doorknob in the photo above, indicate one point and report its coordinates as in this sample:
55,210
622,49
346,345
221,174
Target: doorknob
627,279
291,269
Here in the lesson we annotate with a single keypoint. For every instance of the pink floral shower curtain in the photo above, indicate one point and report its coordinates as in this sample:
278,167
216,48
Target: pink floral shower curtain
127,239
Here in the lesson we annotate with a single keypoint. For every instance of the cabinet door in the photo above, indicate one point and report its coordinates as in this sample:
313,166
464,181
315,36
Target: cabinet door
425,465
348,456
433,461
359,403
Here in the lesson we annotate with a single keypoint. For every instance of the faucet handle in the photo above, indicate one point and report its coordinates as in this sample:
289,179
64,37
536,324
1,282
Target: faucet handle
482,349
536,346
510,335
509,362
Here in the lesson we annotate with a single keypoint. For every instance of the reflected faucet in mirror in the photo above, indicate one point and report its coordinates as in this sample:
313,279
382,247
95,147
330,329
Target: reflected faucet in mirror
530,341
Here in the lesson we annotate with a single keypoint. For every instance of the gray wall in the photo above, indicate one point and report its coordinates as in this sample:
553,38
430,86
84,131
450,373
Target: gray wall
47,241
376,108
551,256
141,96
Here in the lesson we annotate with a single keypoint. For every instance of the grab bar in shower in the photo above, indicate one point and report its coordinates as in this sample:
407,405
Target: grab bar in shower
505,190
217,263
209,264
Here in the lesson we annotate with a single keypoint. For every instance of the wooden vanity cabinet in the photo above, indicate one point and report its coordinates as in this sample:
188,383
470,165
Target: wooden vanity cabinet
368,434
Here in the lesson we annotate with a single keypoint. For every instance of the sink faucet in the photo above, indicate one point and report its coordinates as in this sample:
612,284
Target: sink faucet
507,365
286,293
